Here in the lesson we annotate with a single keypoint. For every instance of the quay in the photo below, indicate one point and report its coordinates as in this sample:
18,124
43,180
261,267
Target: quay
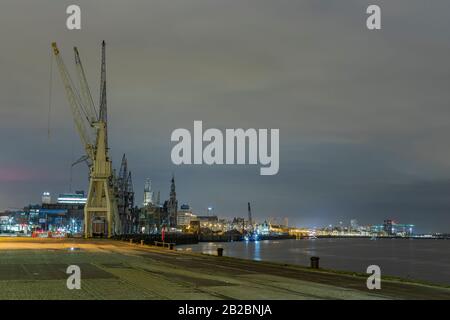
35,268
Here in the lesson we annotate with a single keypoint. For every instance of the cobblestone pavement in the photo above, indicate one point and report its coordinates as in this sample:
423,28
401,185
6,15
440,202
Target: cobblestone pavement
36,269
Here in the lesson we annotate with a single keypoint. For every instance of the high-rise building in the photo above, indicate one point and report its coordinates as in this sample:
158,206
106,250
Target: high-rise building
46,198
148,193
354,224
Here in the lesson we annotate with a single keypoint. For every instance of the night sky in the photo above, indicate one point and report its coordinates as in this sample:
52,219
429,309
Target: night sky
364,116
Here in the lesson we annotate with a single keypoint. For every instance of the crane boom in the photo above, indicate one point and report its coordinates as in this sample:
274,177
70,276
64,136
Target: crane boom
101,216
76,105
84,87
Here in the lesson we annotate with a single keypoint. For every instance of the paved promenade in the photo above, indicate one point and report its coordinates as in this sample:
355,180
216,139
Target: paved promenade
36,269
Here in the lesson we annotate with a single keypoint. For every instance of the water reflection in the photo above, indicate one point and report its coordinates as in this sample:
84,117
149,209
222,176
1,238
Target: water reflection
253,250
257,252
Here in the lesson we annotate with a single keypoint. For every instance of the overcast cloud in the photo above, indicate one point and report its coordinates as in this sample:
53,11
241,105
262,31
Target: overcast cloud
364,116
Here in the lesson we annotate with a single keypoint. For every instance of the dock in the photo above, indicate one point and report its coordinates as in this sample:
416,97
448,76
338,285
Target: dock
34,268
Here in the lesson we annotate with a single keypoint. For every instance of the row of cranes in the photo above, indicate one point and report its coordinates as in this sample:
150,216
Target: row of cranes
110,199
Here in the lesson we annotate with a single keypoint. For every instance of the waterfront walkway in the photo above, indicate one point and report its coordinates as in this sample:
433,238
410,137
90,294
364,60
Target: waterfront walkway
36,269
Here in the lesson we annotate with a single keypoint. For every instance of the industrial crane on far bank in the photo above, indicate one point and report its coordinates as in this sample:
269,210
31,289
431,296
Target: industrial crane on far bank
101,211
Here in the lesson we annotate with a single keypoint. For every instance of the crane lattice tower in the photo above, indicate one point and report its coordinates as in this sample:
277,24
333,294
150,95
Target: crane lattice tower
100,211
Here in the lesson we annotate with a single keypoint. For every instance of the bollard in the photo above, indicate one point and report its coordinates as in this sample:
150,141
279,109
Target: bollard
131,241
142,242
171,246
315,262
219,252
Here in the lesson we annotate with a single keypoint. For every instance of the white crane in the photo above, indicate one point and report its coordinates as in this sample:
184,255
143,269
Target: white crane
100,211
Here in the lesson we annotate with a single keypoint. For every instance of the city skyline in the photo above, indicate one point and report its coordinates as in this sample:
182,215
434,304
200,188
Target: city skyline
363,117
79,197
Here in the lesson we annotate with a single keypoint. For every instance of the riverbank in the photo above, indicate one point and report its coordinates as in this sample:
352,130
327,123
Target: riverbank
189,238
442,237
406,258
35,269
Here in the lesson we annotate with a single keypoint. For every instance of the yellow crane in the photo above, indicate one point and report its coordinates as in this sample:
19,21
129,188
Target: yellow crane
100,212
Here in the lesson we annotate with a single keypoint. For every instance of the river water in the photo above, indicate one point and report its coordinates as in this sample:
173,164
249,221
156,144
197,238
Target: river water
418,259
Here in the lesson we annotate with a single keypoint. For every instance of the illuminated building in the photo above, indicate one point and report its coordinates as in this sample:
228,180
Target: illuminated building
210,224
148,193
46,198
264,228
185,216
387,227
393,228
55,217
72,198
354,225
238,224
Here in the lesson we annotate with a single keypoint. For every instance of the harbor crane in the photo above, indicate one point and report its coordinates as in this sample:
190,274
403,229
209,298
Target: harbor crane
101,215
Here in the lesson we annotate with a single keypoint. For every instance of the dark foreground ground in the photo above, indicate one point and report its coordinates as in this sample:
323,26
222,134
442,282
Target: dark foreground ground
36,269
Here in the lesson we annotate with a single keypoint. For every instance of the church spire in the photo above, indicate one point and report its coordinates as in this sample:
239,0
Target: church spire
172,205
173,194
158,197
